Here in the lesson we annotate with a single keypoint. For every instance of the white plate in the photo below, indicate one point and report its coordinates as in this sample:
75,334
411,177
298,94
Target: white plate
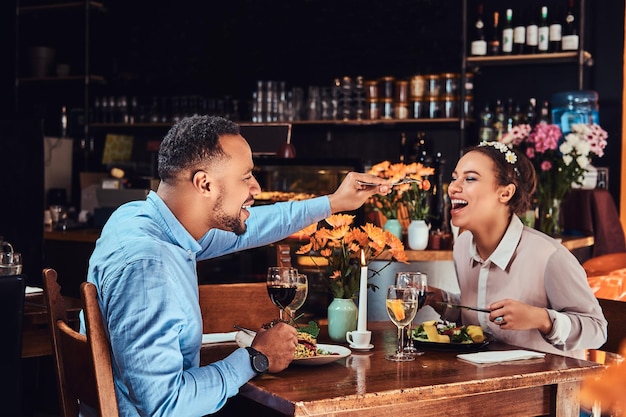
339,352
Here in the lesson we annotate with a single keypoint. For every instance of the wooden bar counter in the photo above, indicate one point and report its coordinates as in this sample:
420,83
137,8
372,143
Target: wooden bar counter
435,384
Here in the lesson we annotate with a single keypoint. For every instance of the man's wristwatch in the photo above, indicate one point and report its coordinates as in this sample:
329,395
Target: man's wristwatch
258,360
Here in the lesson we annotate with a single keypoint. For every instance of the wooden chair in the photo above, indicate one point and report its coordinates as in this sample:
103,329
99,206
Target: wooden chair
604,264
83,363
243,304
615,314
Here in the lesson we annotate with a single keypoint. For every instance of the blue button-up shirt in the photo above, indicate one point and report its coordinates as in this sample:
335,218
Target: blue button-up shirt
144,266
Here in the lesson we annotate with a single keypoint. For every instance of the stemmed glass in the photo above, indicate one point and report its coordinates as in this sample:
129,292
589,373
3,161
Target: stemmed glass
401,307
281,286
302,289
417,280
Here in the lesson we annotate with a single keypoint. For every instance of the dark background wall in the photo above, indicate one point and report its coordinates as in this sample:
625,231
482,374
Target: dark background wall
218,49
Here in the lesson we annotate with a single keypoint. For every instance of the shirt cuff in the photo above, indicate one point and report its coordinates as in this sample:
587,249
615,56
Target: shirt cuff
561,328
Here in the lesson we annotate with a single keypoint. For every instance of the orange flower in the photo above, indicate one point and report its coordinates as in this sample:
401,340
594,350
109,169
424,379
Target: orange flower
412,196
341,245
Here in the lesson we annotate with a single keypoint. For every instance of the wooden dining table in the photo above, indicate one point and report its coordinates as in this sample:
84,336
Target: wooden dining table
436,383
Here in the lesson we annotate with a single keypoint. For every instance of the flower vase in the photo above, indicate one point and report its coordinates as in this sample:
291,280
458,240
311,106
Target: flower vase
418,234
550,217
342,315
394,226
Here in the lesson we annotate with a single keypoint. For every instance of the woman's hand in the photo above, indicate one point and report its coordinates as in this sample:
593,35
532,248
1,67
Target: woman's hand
515,315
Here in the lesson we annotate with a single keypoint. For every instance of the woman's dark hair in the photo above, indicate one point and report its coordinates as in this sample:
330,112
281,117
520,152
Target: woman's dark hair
520,173
192,142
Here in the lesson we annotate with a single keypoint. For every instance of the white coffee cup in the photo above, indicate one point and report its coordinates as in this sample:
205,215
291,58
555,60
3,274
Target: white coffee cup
359,339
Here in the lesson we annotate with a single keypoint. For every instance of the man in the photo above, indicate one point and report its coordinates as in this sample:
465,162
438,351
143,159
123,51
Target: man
144,266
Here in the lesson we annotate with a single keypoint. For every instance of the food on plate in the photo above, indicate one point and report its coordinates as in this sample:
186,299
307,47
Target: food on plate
442,331
307,346
307,340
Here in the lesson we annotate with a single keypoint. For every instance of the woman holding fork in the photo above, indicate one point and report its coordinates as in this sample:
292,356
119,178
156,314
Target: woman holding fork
535,289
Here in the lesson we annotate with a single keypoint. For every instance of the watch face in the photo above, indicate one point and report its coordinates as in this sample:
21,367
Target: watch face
259,361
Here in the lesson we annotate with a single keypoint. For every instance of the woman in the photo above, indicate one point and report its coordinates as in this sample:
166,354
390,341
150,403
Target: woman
536,289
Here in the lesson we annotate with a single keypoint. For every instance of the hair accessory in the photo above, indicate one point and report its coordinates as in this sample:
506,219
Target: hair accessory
509,155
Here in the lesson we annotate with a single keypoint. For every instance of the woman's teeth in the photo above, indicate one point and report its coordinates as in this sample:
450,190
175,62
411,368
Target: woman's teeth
458,203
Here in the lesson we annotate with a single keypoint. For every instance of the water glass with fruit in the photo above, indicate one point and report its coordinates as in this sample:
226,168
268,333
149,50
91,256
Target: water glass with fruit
401,305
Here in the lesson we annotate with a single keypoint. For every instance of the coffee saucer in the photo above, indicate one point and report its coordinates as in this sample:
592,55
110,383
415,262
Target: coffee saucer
368,347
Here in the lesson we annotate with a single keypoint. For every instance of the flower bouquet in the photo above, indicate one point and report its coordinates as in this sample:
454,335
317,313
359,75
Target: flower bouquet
558,160
341,246
408,201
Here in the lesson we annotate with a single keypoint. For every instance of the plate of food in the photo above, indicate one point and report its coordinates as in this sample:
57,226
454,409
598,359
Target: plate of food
323,354
445,335
309,352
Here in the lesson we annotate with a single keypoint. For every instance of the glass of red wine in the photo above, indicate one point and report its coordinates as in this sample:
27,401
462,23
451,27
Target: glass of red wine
282,284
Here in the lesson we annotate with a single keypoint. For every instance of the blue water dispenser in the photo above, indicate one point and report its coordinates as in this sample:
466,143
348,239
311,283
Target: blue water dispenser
572,107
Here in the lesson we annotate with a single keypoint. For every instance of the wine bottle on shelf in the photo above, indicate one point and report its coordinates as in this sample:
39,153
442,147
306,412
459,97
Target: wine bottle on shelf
543,31
479,44
507,33
555,36
486,131
499,120
530,117
569,39
544,113
532,35
519,35
494,42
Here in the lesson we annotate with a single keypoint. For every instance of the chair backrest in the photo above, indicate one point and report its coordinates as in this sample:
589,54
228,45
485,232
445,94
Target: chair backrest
615,313
604,264
11,311
242,304
84,375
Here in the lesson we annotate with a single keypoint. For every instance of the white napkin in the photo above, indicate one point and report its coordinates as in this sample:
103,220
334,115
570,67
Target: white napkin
32,290
218,337
497,356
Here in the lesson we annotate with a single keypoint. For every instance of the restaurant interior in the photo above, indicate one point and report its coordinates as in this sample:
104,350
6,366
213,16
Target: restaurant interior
90,88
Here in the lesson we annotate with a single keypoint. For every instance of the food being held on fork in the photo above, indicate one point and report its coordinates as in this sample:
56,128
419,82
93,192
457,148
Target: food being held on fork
441,331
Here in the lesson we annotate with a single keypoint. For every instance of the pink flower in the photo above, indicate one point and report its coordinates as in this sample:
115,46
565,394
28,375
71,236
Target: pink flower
545,137
546,166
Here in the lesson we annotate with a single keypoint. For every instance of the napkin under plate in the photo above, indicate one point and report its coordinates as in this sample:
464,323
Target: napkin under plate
218,337
497,356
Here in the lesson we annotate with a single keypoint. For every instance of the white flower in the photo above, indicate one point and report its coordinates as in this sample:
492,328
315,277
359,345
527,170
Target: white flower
566,148
582,161
510,157
583,148
567,159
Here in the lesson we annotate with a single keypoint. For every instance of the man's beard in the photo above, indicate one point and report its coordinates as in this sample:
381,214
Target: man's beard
229,223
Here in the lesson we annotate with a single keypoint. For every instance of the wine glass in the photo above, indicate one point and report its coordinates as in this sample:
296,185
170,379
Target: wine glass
401,307
419,281
302,289
281,286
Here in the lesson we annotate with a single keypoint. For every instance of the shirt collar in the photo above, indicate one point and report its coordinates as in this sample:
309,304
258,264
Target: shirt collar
504,252
170,224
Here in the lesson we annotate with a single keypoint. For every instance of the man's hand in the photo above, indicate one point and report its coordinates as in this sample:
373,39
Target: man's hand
351,195
278,343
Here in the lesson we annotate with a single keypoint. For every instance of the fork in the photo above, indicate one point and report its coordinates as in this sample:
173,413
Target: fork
247,331
406,180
